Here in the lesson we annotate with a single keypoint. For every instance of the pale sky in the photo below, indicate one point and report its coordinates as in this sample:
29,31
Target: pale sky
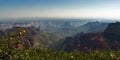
60,8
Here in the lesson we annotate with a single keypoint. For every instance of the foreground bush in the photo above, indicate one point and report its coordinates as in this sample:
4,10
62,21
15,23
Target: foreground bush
38,54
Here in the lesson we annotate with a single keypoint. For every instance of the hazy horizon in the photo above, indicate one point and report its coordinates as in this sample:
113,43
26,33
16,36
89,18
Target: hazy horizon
108,9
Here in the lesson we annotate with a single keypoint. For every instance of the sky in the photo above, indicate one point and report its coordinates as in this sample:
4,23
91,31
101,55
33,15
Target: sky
60,8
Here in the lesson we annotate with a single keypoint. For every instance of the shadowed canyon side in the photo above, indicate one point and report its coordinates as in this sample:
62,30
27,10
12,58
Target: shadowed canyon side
112,34
109,39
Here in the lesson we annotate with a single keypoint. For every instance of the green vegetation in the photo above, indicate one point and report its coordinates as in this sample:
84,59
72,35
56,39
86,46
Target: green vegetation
11,48
38,54
8,51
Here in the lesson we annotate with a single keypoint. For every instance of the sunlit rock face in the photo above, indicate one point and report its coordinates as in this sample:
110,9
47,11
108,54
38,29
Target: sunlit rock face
30,37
